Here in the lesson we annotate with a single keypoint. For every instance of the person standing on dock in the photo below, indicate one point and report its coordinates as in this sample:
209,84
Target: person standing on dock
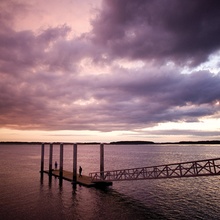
55,165
80,171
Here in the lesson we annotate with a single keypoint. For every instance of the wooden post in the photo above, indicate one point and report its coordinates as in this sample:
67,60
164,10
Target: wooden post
102,160
61,164
50,159
74,163
42,159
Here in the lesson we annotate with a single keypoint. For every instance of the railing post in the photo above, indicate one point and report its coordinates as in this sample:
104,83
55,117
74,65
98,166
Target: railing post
213,161
50,159
61,164
195,168
102,161
74,163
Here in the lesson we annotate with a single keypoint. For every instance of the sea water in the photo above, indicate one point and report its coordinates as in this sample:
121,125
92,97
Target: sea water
24,195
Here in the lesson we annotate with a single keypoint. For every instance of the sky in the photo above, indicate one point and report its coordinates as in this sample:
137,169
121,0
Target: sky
109,70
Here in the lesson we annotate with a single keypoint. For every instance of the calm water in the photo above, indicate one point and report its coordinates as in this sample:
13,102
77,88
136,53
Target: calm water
24,196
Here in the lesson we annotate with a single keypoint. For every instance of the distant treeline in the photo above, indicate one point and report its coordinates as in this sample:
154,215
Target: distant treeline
18,142
66,143
199,142
132,142
181,142
116,142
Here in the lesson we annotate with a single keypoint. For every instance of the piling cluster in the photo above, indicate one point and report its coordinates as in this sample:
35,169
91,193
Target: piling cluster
74,173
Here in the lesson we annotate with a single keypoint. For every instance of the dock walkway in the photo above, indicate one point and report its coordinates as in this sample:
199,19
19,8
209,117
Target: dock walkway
83,180
207,167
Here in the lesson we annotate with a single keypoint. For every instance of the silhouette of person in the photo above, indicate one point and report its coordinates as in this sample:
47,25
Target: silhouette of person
80,171
55,165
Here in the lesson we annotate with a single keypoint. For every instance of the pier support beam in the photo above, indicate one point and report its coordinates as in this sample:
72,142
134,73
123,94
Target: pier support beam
61,164
74,163
50,159
102,160
42,163
42,159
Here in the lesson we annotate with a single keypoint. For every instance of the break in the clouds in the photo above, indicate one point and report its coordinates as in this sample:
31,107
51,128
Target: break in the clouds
124,73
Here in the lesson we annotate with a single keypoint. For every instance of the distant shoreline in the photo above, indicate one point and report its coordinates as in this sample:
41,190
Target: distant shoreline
117,142
180,142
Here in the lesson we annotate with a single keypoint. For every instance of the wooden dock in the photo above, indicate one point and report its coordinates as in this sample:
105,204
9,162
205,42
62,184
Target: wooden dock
72,176
83,180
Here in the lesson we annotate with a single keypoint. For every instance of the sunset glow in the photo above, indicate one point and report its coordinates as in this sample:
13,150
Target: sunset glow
108,70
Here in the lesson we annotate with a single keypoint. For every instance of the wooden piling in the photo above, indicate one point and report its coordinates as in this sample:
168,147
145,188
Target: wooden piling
74,163
51,159
42,159
61,164
102,159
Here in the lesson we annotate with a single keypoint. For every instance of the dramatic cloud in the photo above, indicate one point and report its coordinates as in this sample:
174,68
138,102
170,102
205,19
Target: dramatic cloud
125,74
186,32
139,100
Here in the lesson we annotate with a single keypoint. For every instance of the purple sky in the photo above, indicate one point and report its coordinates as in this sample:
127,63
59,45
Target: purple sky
109,70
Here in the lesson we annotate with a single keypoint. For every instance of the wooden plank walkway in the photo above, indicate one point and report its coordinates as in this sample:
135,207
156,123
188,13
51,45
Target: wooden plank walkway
83,180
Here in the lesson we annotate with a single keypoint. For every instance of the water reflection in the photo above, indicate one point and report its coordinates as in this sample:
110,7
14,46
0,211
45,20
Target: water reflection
41,177
79,202
23,196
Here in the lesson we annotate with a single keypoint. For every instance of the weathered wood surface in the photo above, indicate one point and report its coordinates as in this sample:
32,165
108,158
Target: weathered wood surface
83,180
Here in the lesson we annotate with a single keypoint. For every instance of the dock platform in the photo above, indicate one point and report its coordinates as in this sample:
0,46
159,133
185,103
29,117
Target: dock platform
83,180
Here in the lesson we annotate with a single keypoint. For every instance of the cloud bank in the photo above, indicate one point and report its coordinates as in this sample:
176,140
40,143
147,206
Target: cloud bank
184,32
54,80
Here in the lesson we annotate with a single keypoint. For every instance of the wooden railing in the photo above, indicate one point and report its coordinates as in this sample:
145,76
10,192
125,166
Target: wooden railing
206,167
